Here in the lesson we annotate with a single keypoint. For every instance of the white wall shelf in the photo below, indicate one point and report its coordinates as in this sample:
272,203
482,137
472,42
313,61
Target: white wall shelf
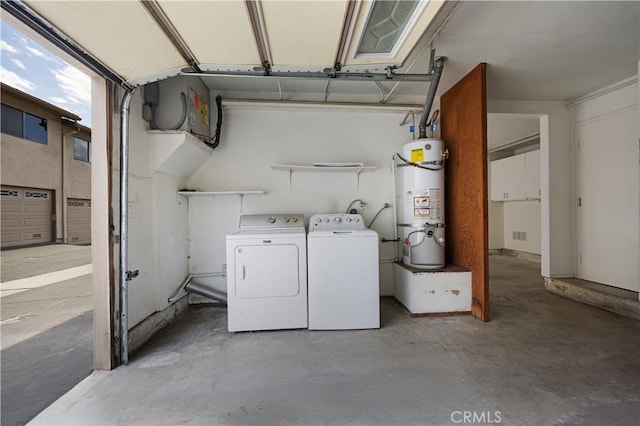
241,194
323,169
203,193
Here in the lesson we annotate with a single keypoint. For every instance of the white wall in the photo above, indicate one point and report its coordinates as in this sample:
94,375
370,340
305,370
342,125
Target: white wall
496,225
496,218
506,128
557,244
256,136
522,216
158,223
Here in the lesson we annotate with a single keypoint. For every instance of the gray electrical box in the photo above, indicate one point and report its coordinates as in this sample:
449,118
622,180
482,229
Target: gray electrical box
169,110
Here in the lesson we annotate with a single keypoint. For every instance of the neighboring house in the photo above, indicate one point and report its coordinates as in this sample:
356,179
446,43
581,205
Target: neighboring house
46,173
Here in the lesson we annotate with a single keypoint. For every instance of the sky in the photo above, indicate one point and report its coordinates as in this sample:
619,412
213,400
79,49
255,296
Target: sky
31,68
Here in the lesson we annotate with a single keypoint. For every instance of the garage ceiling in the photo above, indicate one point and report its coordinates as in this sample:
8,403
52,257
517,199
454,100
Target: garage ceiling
535,50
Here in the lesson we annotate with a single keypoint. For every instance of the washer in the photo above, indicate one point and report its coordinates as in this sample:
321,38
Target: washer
267,273
344,289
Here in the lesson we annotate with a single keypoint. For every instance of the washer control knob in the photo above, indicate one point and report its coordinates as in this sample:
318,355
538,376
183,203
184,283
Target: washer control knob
326,219
286,220
294,219
272,219
356,219
348,219
337,219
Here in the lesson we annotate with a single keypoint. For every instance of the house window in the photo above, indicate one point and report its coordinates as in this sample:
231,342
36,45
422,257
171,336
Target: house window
23,125
81,150
387,26
35,128
11,121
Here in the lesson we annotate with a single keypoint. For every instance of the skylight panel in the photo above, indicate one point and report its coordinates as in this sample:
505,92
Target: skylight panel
388,24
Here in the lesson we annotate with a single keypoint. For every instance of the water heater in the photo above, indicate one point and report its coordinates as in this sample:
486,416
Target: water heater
420,202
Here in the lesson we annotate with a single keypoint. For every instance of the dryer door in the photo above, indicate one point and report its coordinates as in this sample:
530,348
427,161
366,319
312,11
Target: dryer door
270,270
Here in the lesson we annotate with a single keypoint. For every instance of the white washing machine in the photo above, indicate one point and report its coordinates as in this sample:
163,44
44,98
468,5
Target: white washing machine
342,261
267,273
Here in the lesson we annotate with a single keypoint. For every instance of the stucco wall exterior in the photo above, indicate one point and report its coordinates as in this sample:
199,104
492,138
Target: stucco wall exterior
25,163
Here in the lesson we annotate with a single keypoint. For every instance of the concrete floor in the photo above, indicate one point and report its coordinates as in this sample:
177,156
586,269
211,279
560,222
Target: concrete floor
541,360
46,327
29,261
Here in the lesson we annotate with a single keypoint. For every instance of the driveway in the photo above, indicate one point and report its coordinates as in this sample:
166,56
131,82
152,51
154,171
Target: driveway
46,325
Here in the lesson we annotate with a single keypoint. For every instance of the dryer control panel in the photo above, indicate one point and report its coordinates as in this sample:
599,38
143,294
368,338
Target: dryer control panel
336,222
271,221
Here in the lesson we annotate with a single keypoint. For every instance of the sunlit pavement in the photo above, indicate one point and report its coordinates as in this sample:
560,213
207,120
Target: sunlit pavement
46,326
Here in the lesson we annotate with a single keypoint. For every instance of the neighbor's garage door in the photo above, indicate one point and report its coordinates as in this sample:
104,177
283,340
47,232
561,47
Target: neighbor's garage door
26,216
79,221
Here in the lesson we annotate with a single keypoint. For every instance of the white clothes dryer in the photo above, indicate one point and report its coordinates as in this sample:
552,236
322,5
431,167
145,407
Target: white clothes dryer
267,273
344,289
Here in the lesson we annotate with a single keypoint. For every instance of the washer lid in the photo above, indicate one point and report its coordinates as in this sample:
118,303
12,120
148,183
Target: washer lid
344,234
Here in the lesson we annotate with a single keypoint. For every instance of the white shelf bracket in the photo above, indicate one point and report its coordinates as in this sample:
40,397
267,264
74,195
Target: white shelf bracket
290,177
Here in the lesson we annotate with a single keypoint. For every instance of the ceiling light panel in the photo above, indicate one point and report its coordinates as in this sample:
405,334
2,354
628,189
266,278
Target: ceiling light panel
386,31
120,34
217,32
303,34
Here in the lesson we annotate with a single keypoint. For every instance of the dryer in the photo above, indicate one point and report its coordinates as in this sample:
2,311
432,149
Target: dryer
344,289
267,273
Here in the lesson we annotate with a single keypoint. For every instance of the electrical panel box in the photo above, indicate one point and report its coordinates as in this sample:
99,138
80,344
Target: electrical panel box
177,95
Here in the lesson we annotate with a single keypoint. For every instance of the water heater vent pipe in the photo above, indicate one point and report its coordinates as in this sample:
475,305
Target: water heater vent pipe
431,94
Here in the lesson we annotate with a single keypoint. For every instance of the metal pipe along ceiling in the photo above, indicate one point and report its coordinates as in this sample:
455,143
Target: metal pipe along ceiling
319,75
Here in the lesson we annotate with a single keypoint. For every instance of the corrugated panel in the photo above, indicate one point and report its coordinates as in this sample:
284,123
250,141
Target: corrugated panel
217,32
303,34
121,34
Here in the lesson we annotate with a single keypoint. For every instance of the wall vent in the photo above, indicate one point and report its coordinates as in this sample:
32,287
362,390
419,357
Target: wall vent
518,235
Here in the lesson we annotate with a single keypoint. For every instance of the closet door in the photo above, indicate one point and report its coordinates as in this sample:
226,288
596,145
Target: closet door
607,189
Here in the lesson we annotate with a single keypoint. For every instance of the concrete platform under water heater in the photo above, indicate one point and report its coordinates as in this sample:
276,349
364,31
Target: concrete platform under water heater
446,291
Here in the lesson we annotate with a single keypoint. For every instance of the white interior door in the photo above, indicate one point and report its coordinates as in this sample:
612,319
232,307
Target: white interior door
269,270
607,186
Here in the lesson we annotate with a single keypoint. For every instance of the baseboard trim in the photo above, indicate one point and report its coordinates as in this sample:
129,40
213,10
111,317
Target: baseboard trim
143,331
517,254
618,301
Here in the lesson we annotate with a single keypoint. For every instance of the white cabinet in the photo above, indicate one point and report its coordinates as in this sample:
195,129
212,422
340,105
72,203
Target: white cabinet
516,178
532,174
507,180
